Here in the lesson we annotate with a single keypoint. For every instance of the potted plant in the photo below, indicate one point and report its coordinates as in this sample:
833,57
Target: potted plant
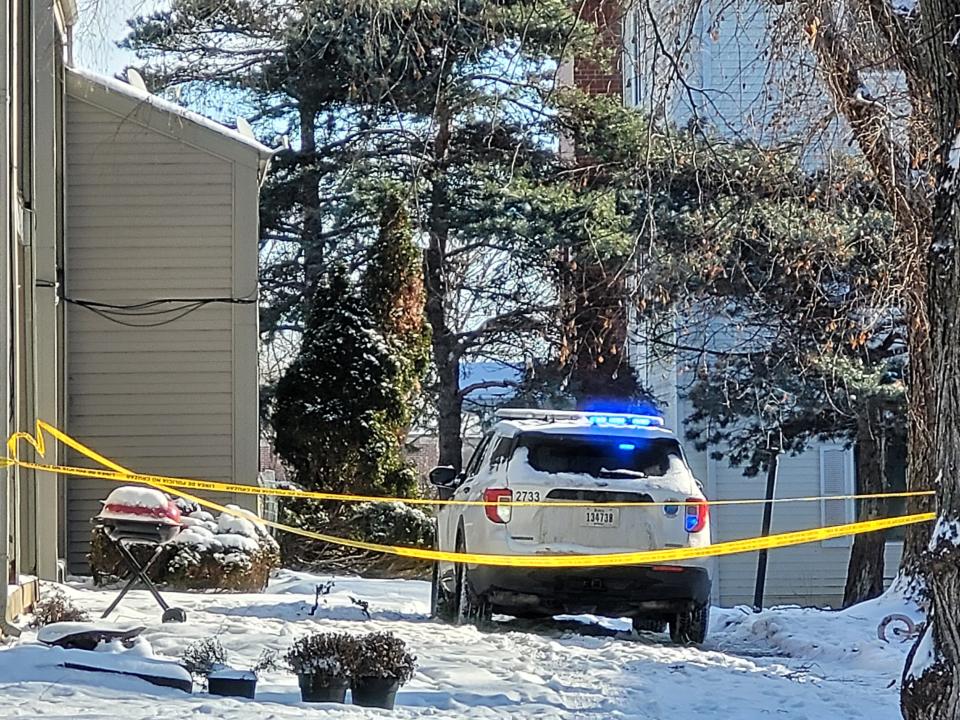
382,665
323,663
206,660
232,683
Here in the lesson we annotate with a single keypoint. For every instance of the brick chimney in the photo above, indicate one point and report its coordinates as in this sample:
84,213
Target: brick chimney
594,78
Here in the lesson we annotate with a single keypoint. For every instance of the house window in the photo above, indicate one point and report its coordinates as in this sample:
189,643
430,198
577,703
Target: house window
895,481
836,478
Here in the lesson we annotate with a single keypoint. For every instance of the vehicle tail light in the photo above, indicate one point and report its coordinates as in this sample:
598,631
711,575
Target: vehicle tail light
695,518
498,513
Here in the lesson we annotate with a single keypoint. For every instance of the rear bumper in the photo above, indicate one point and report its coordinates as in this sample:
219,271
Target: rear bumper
623,591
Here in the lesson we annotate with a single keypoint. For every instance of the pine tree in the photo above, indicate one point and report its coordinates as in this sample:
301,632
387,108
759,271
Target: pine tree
392,291
453,101
776,288
337,405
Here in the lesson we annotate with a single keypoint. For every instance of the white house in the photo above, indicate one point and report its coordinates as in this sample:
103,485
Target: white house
734,68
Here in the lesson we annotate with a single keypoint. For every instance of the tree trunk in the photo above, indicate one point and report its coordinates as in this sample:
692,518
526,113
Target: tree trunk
600,368
907,200
865,571
920,422
931,682
446,349
309,191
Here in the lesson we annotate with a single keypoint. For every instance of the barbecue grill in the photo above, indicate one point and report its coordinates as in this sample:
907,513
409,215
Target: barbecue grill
140,516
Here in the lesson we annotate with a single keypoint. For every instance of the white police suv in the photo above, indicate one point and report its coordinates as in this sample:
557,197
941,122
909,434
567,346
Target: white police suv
591,458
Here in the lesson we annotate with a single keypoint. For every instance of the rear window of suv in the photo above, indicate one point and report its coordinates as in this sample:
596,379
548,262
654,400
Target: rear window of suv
600,455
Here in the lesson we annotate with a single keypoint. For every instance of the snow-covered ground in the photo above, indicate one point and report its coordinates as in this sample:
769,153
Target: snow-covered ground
792,664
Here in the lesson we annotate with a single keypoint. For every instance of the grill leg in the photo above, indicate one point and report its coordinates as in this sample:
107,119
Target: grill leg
139,574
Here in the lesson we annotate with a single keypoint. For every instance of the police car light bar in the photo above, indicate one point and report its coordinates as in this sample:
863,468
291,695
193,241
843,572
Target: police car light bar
611,419
626,420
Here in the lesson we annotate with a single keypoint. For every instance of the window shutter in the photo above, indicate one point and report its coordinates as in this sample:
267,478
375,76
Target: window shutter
836,478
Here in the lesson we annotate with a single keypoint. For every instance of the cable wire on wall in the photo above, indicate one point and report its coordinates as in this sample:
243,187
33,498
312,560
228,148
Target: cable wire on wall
152,313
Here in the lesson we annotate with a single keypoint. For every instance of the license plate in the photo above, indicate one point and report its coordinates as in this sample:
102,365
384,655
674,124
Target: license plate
601,517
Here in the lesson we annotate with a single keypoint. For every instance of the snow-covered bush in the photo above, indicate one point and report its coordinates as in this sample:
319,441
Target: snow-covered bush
202,657
226,553
56,607
391,524
384,655
331,654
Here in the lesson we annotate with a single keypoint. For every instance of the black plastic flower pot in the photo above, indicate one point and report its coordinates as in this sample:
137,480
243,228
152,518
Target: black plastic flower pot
323,688
375,692
233,685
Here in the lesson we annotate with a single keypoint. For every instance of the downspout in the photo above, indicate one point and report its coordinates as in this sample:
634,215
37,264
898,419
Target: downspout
6,292
6,408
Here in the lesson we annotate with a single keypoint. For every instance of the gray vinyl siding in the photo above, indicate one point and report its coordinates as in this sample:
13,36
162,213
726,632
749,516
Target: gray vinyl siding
805,574
743,75
812,574
149,217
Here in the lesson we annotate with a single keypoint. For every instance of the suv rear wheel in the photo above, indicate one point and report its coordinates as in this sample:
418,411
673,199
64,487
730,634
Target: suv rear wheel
690,626
442,606
471,609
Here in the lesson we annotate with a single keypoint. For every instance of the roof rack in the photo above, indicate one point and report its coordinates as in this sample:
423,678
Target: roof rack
594,418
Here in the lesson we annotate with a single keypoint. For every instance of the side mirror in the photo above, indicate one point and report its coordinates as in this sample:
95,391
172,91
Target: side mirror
443,476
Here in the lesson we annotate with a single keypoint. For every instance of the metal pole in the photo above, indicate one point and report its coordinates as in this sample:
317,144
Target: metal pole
765,529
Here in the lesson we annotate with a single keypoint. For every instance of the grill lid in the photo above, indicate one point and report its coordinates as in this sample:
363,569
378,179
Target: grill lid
140,505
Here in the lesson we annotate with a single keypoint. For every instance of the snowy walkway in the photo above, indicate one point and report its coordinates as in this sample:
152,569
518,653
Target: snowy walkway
787,664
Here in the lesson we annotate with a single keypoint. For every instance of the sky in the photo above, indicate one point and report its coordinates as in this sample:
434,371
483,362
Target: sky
101,24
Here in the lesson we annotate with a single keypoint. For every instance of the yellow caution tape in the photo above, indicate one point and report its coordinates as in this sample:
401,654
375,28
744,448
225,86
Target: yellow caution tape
642,557
118,474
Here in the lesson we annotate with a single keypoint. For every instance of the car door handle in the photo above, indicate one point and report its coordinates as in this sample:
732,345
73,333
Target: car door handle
465,489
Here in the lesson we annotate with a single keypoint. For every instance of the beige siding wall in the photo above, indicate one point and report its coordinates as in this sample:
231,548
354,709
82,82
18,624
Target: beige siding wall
151,217
811,574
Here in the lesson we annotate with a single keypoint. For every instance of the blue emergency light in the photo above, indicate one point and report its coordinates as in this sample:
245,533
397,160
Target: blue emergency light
626,420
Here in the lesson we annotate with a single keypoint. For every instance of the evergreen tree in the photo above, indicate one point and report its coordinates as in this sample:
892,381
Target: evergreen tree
454,101
392,291
779,290
336,407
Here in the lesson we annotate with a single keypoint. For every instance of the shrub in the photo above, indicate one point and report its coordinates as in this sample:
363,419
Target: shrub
225,553
391,524
384,655
203,657
333,654
269,660
56,607
200,658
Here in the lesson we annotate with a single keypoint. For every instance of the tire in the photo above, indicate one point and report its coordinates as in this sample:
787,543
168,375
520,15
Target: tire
470,608
646,623
691,625
442,606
